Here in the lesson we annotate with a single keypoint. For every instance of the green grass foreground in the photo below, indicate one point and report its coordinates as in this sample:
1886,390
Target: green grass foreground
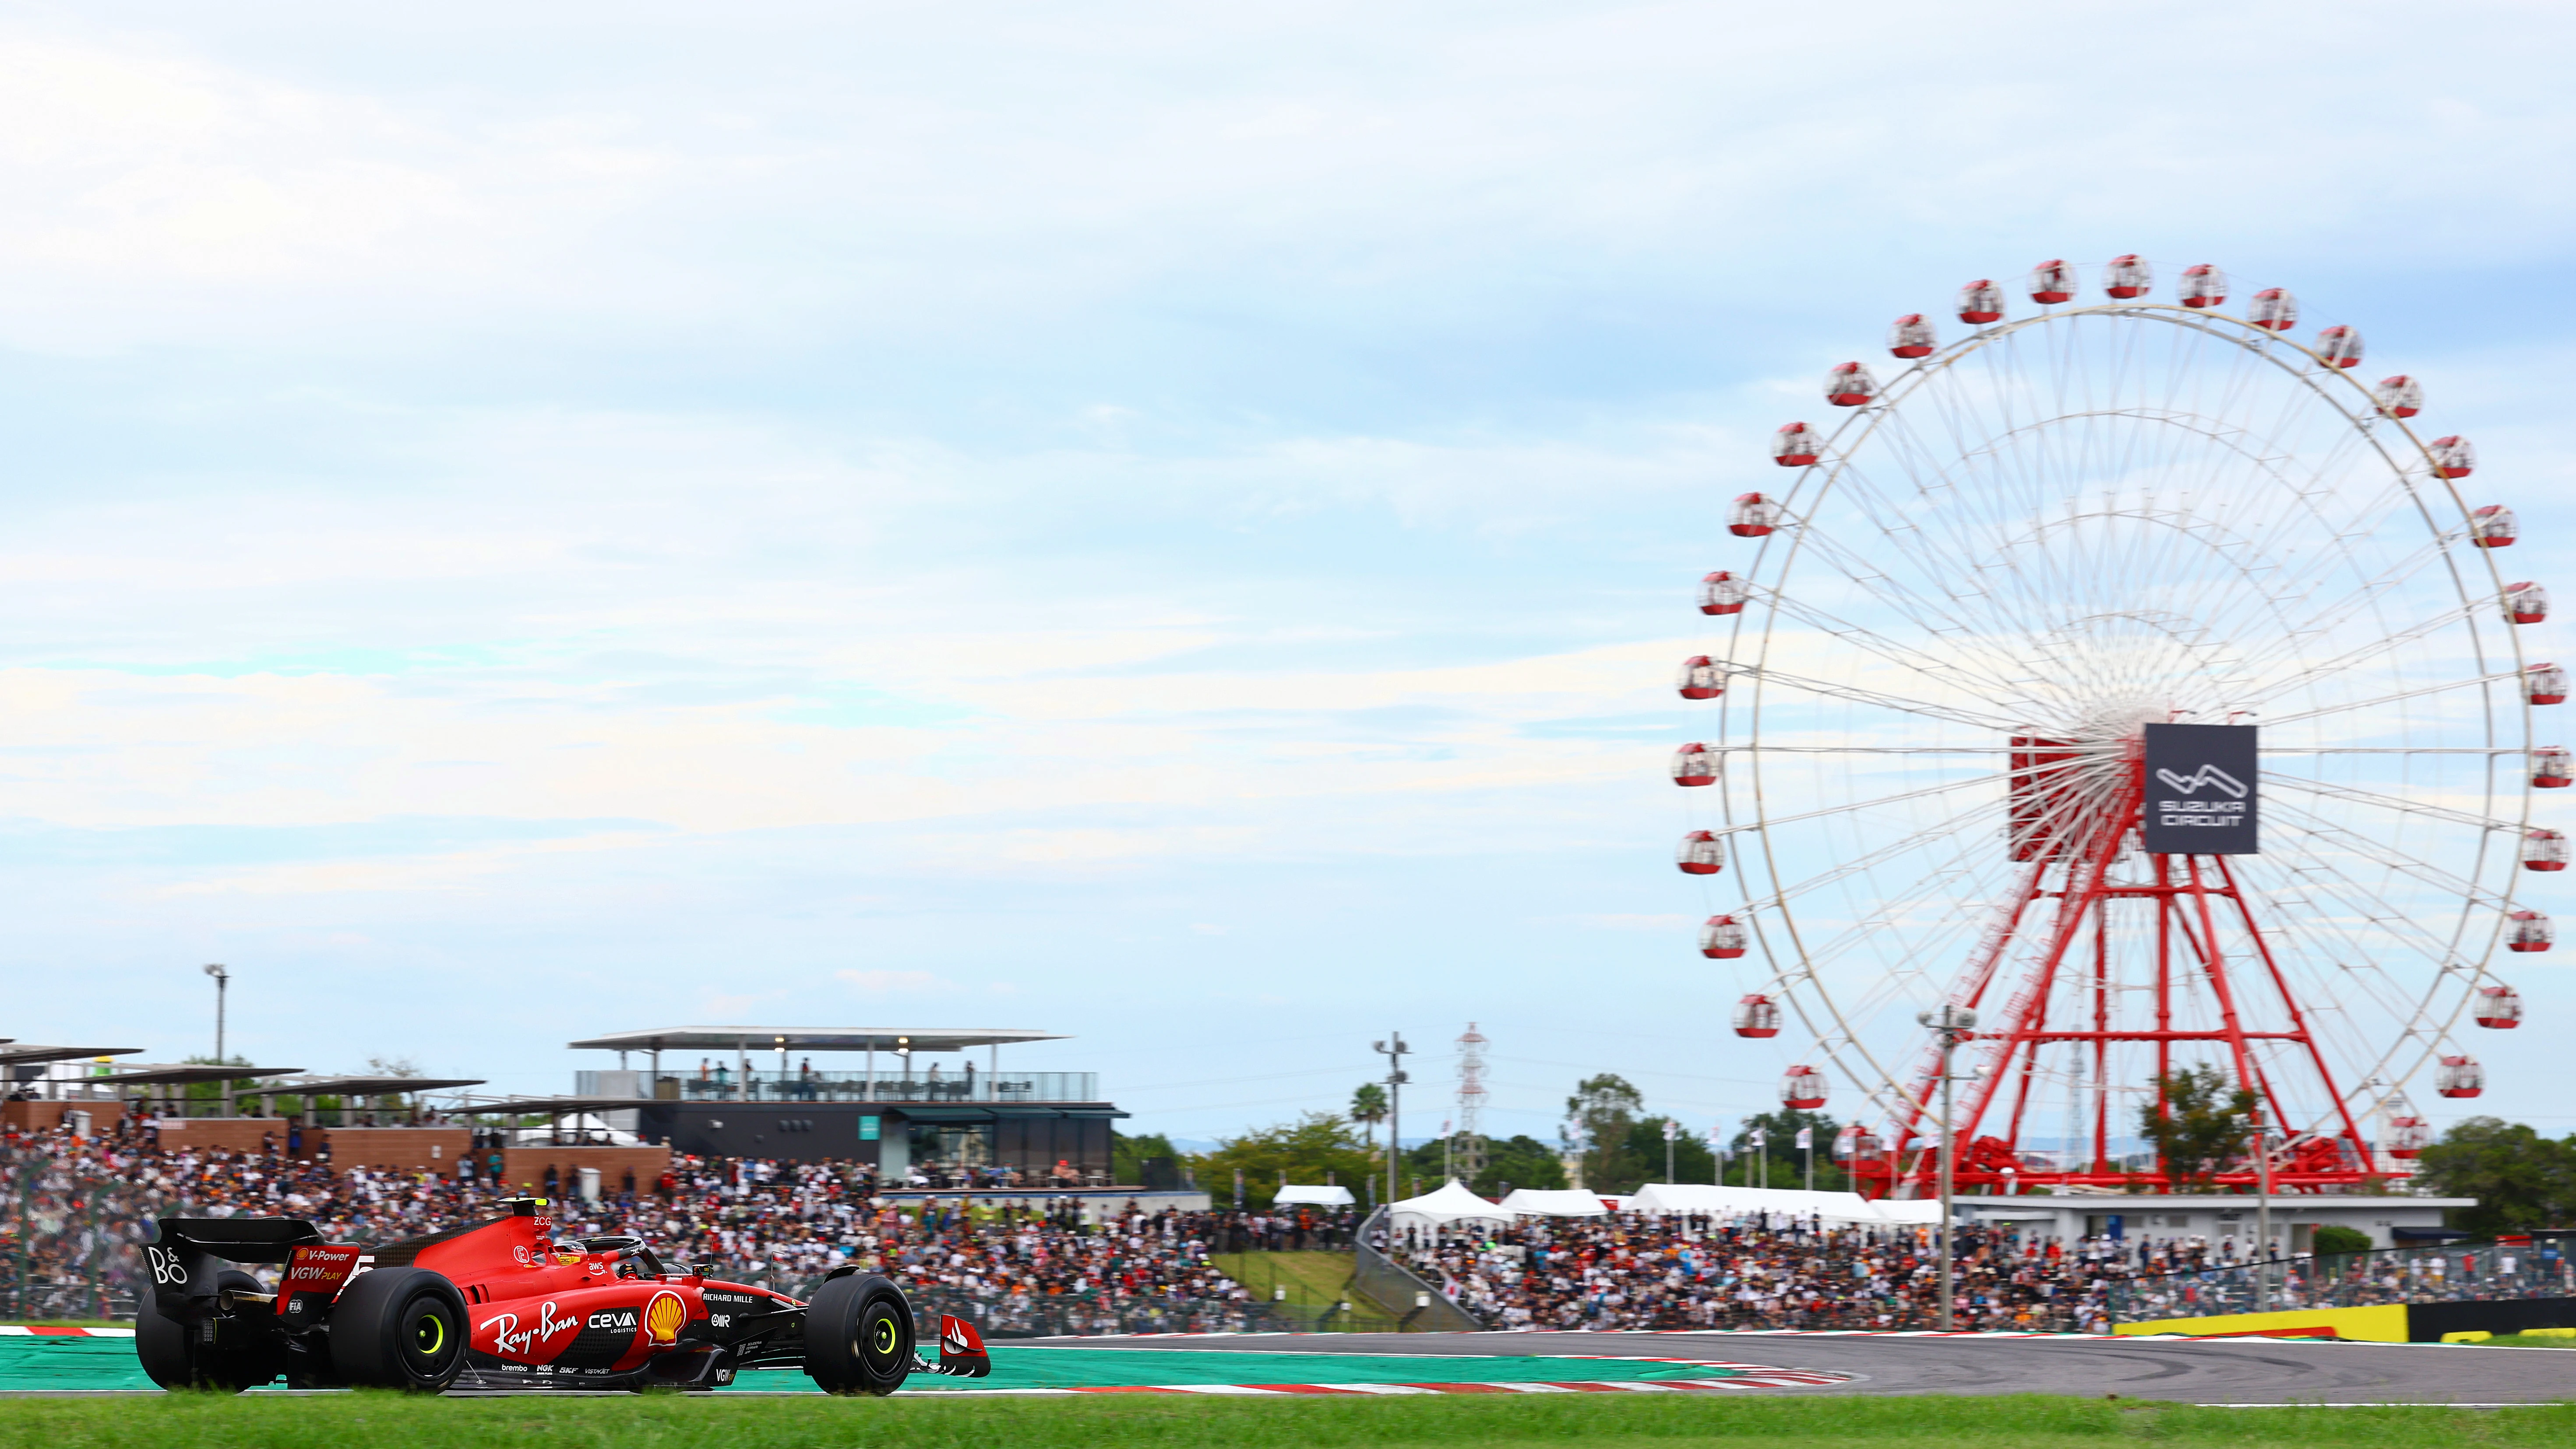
383,1421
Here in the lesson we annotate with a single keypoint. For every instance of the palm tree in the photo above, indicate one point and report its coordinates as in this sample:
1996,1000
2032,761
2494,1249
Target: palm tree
1368,1108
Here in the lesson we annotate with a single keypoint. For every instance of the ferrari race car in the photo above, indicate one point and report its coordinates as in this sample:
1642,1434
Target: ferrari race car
500,1304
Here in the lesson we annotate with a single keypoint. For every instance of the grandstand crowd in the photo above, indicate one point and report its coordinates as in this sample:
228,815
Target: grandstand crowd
73,1213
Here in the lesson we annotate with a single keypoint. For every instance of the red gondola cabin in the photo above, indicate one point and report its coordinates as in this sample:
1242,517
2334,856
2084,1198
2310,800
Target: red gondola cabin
2340,346
2203,285
2528,930
1981,302
2400,396
1796,445
1849,385
1702,853
2460,1077
1803,1089
1911,336
2526,603
2498,1007
2453,457
2553,767
2273,309
1723,938
1757,1016
2408,1136
1700,678
2494,526
1695,764
2544,850
2544,684
2127,277
1755,515
1723,593
2052,282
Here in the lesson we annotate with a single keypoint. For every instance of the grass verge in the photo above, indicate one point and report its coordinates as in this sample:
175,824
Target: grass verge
1315,1281
1604,1422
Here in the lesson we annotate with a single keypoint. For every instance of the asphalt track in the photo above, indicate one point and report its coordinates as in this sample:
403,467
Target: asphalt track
2199,1371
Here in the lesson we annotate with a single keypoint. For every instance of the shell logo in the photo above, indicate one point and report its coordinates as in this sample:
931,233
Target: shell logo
663,1318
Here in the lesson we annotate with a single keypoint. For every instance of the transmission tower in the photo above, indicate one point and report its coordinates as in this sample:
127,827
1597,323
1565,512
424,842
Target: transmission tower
1467,1147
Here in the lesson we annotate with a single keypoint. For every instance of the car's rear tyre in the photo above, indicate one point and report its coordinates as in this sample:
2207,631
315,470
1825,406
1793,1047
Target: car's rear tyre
173,1358
399,1328
858,1336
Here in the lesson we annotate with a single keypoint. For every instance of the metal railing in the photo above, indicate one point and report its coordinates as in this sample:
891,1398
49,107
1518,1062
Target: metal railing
1416,1304
2351,1280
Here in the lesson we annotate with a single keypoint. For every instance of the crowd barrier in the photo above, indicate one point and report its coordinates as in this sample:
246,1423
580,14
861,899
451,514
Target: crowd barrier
2396,1294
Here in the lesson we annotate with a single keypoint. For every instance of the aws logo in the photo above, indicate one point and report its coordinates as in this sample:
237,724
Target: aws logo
664,1317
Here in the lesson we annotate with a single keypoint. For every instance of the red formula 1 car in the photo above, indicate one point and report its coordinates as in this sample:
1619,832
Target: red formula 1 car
501,1304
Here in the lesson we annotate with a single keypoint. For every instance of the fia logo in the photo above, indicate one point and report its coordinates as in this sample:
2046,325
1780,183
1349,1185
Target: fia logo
2206,775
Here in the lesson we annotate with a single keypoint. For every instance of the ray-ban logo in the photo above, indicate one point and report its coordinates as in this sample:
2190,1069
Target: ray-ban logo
2192,783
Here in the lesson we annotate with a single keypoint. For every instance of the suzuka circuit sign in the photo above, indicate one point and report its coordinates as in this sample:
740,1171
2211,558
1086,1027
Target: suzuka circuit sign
2200,796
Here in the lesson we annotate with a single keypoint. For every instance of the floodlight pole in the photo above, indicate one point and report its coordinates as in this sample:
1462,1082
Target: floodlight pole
1953,1025
1393,1049
223,979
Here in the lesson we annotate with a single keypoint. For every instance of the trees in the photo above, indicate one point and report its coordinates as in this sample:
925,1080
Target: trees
1143,1159
1368,1108
1598,1118
2196,1123
1510,1162
1317,1147
2520,1178
1780,1148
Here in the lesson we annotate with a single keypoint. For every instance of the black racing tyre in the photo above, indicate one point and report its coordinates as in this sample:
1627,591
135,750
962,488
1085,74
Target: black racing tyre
174,1359
399,1328
858,1336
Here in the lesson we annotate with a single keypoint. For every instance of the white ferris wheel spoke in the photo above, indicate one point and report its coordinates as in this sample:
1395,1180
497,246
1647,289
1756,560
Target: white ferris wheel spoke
2425,809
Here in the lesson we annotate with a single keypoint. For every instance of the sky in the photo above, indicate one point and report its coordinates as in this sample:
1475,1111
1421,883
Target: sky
1168,524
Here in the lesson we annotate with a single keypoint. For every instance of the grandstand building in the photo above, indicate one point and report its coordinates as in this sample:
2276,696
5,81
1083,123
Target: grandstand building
915,1101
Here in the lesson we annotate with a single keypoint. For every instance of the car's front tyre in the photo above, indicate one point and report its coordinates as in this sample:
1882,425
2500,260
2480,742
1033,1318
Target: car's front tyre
858,1336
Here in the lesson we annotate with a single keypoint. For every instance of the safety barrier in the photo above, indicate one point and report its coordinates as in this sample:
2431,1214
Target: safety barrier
2459,1273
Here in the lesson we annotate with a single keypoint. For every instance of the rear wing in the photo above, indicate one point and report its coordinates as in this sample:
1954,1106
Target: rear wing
186,1259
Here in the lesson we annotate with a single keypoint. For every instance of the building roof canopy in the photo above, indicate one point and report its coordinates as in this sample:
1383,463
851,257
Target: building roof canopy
25,1052
183,1072
370,1086
812,1038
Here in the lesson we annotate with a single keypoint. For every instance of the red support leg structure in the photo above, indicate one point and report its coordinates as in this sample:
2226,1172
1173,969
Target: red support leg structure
2076,857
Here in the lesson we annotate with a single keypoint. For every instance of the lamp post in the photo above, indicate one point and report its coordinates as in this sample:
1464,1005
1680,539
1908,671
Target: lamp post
1672,1131
1953,1025
1393,1049
223,979
2262,1210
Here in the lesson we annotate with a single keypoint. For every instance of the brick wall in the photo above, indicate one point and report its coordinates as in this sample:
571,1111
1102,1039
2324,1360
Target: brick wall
526,1166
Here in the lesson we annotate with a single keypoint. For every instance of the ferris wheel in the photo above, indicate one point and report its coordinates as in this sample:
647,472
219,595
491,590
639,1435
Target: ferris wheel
1945,650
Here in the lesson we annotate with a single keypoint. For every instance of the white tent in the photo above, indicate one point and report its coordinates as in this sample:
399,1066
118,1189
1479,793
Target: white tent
1291,1195
1832,1207
1451,1203
1553,1202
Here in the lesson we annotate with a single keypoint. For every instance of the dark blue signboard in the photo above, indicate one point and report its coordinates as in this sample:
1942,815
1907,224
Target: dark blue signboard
2201,797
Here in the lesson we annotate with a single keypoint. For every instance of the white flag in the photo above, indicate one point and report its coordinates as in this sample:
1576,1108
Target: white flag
1806,1139
1754,1138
